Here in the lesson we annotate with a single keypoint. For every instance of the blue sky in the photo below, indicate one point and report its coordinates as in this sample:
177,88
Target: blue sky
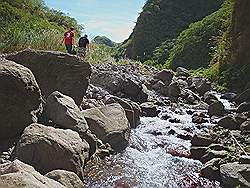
112,18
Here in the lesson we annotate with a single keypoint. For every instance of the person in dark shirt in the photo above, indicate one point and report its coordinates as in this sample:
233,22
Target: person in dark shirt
69,39
83,45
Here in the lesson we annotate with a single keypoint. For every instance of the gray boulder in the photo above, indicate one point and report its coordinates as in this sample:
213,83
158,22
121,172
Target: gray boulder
47,149
20,99
202,140
149,109
243,107
197,152
66,178
211,154
56,71
245,126
174,90
229,122
110,124
131,108
216,109
17,174
235,174
165,75
211,169
181,71
243,97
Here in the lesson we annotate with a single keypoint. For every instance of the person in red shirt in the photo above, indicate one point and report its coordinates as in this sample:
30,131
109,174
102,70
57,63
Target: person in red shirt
69,39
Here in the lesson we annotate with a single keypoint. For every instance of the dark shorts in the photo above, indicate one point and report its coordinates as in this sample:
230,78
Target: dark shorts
69,48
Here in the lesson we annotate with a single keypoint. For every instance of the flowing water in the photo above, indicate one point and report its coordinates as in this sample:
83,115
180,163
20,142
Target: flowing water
156,157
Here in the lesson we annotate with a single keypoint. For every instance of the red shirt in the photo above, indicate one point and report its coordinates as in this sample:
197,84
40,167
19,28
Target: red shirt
68,37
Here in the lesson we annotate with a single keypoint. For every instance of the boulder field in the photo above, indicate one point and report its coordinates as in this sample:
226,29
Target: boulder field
58,113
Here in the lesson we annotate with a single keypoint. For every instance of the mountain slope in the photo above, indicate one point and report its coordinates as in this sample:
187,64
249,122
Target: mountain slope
163,20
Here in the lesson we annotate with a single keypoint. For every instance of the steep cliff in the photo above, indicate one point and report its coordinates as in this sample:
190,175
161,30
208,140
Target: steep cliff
163,20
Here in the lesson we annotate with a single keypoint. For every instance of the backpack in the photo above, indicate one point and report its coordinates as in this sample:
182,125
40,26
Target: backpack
83,41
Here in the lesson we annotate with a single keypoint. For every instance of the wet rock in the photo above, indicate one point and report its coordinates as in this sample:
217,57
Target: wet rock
110,124
172,132
66,178
174,90
174,120
180,71
198,152
211,154
211,169
200,85
97,93
132,109
244,159
209,97
56,71
47,149
245,126
165,116
228,96
20,99
158,86
199,118
216,109
190,96
229,122
182,83
217,147
149,109
165,75
185,136
18,174
243,107
235,174
202,140
90,103
243,97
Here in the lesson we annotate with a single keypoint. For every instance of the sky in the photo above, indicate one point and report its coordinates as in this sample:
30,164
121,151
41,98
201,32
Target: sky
114,19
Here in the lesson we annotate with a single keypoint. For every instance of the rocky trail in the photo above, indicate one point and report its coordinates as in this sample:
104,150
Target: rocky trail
65,123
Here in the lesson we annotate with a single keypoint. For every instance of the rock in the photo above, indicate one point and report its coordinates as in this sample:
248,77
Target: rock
216,147
209,97
20,99
229,122
216,109
17,174
172,132
56,71
47,149
204,87
149,109
165,75
63,111
158,86
90,103
174,120
199,118
245,126
131,88
211,169
97,93
211,154
185,136
243,107
228,96
202,140
235,174
132,109
180,71
200,85
243,97
244,159
189,96
198,152
110,124
66,178
174,90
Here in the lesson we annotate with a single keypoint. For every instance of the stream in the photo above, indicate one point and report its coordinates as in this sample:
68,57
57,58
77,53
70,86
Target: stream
158,155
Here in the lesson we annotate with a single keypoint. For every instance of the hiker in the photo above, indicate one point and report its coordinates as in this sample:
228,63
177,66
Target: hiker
69,39
83,45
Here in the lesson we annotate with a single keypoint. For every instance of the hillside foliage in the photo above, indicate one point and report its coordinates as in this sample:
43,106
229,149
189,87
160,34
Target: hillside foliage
30,24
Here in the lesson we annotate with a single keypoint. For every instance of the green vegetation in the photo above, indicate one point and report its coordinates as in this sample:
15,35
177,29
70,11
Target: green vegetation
159,24
30,24
104,40
195,46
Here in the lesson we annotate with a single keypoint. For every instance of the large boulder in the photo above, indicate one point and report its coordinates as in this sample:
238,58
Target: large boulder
202,139
235,175
20,99
243,97
56,71
149,109
47,149
216,109
66,178
62,111
245,126
17,174
131,108
110,124
174,90
243,107
229,122
165,75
